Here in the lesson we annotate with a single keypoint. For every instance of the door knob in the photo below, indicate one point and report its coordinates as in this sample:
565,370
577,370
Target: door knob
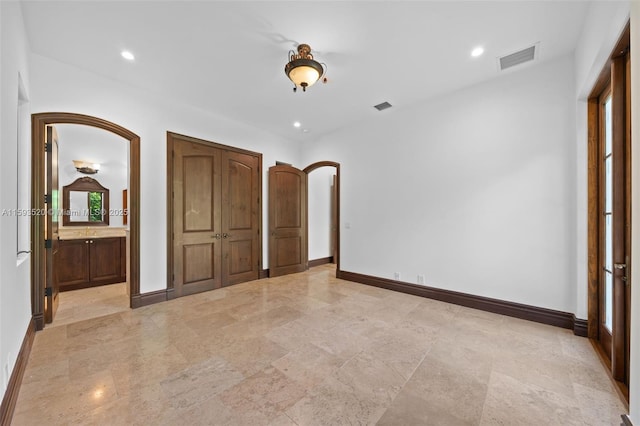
225,235
619,265
217,236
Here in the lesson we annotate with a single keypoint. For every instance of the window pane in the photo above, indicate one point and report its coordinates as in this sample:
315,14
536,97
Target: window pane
607,126
608,245
608,301
608,188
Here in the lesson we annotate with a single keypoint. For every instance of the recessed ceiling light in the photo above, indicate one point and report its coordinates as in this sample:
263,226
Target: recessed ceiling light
305,130
477,51
297,124
128,55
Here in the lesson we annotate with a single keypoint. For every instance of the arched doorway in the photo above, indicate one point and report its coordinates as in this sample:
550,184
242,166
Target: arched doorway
336,207
288,218
40,270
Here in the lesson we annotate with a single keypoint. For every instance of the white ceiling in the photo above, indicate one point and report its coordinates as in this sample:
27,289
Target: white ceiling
229,57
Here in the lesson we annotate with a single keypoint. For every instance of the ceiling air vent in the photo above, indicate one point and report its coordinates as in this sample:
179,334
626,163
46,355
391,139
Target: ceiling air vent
517,58
382,106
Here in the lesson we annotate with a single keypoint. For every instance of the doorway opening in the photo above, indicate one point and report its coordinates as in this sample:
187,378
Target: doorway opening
322,211
289,219
116,257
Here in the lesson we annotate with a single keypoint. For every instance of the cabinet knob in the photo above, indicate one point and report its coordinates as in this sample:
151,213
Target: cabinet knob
86,242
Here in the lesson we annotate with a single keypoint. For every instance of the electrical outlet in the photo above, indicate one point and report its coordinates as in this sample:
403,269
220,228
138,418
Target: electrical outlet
420,279
396,275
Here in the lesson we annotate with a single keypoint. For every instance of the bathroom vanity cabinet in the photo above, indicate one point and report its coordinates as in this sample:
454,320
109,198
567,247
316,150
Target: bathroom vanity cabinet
89,262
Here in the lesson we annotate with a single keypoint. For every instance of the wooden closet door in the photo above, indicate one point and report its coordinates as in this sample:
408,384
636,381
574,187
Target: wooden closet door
197,235
240,218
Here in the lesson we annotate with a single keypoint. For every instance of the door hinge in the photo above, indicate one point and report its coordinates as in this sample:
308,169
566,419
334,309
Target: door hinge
47,147
47,198
48,291
47,244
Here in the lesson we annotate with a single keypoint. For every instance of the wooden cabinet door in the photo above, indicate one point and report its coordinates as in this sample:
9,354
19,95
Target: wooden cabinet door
104,260
72,264
197,230
123,259
240,216
287,220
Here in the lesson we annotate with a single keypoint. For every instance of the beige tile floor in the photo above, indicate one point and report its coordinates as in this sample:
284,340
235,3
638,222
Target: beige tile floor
87,303
308,349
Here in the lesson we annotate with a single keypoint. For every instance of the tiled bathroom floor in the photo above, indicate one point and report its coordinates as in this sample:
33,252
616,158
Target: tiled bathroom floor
87,303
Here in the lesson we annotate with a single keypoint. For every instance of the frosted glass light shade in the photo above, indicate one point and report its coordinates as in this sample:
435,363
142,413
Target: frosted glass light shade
86,167
304,75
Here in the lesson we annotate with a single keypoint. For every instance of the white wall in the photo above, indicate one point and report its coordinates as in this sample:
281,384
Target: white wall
15,298
95,145
473,189
320,182
634,383
60,87
602,28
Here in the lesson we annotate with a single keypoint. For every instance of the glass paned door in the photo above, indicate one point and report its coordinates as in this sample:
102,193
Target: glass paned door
614,225
608,204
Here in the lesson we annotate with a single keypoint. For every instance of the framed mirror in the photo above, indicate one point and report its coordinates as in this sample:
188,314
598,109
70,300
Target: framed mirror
85,203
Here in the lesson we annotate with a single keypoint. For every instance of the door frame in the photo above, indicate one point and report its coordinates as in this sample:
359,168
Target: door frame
39,122
308,170
171,136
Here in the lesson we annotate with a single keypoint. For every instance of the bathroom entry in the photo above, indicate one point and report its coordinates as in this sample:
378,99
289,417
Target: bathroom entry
96,162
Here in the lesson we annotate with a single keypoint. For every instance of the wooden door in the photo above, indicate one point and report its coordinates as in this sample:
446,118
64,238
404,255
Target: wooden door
334,220
621,220
614,224
240,218
104,260
197,233
72,264
51,225
287,220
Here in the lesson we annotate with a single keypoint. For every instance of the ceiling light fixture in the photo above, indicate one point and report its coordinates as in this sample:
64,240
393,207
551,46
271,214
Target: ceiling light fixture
303,70
86,167
128,55
477,51
297,124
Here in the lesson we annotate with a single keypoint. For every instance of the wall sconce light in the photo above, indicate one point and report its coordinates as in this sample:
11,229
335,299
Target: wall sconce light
303,70
86,167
